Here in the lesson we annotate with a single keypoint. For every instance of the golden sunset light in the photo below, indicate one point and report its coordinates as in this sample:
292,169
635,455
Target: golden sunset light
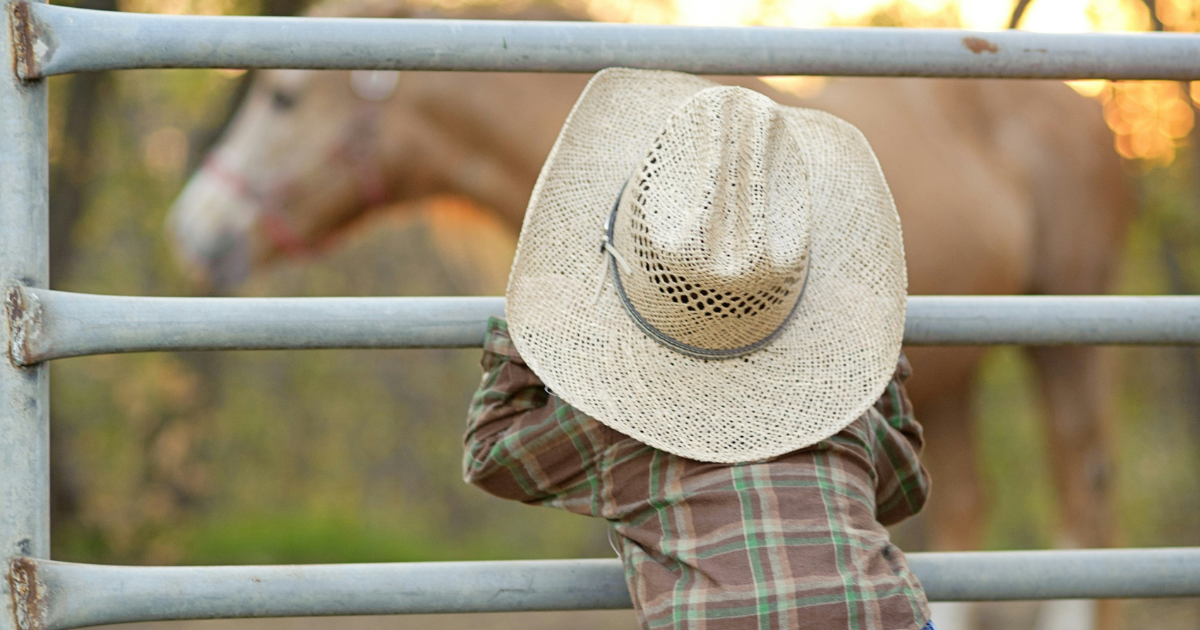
1149,119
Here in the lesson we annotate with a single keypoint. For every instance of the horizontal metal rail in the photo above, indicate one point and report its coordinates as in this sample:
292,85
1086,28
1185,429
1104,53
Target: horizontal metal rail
1053,320
64,595
57,40
54,324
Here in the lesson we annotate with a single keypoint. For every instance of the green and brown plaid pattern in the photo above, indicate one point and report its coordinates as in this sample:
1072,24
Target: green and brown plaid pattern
796,541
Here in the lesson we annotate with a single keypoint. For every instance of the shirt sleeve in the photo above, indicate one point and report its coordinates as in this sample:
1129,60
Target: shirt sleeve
902,483
524,443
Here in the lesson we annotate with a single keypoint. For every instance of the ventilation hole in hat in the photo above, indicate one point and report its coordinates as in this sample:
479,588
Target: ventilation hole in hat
683,298
675,299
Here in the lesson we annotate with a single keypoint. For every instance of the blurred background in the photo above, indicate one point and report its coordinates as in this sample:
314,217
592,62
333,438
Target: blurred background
348,456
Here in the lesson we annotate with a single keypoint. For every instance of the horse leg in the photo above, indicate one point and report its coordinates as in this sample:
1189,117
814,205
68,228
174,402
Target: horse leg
940,389
953,519
1075,387
956,506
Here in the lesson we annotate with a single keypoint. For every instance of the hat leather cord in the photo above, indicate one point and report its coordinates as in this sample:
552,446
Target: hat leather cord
614,258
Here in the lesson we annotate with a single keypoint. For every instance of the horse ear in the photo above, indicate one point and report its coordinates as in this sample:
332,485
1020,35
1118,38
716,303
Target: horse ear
374,85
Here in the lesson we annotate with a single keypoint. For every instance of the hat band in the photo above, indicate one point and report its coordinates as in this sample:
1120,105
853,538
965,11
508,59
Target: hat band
664,339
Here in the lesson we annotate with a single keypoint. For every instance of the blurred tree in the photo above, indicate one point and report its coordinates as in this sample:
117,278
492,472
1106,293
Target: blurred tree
85,103
71,172
1018,12
71,176
1180,242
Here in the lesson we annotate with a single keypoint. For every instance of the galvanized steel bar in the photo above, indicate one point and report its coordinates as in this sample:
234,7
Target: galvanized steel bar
93,594
24,392
1052,320
81,594
55,324
76,40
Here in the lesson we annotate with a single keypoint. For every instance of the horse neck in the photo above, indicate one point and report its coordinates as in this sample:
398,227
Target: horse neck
478,135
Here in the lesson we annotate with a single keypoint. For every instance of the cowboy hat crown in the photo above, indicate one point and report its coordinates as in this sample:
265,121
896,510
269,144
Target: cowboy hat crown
715,222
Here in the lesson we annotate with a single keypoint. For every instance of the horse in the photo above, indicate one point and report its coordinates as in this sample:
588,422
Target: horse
1003,187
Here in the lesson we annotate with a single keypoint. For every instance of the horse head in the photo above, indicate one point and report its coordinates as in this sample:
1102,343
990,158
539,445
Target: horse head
260,192
308,152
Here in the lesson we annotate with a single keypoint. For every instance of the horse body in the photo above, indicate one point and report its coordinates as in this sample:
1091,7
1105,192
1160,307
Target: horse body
1003,187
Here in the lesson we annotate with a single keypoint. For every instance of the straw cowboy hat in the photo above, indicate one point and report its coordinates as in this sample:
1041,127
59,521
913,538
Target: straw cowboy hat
707,271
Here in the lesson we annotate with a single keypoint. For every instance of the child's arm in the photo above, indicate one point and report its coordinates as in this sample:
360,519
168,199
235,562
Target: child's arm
523,443
902,484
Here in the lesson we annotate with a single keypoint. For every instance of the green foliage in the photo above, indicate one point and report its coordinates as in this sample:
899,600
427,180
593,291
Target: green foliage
1012,443
1159,405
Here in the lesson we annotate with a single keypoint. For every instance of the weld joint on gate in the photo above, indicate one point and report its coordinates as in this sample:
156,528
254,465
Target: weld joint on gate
28,593
24,29
24,311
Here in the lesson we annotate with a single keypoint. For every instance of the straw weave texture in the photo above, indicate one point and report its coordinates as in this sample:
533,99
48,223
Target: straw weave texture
727,193
717,220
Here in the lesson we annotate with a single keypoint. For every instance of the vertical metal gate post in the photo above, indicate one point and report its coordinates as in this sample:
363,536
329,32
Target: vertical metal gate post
24,235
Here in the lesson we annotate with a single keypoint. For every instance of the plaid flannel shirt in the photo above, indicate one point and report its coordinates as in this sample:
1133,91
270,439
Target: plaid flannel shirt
797,541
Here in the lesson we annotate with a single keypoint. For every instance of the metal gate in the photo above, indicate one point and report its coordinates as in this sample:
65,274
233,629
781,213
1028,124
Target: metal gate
41,40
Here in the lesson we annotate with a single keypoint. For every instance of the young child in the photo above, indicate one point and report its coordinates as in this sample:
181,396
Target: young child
703,347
